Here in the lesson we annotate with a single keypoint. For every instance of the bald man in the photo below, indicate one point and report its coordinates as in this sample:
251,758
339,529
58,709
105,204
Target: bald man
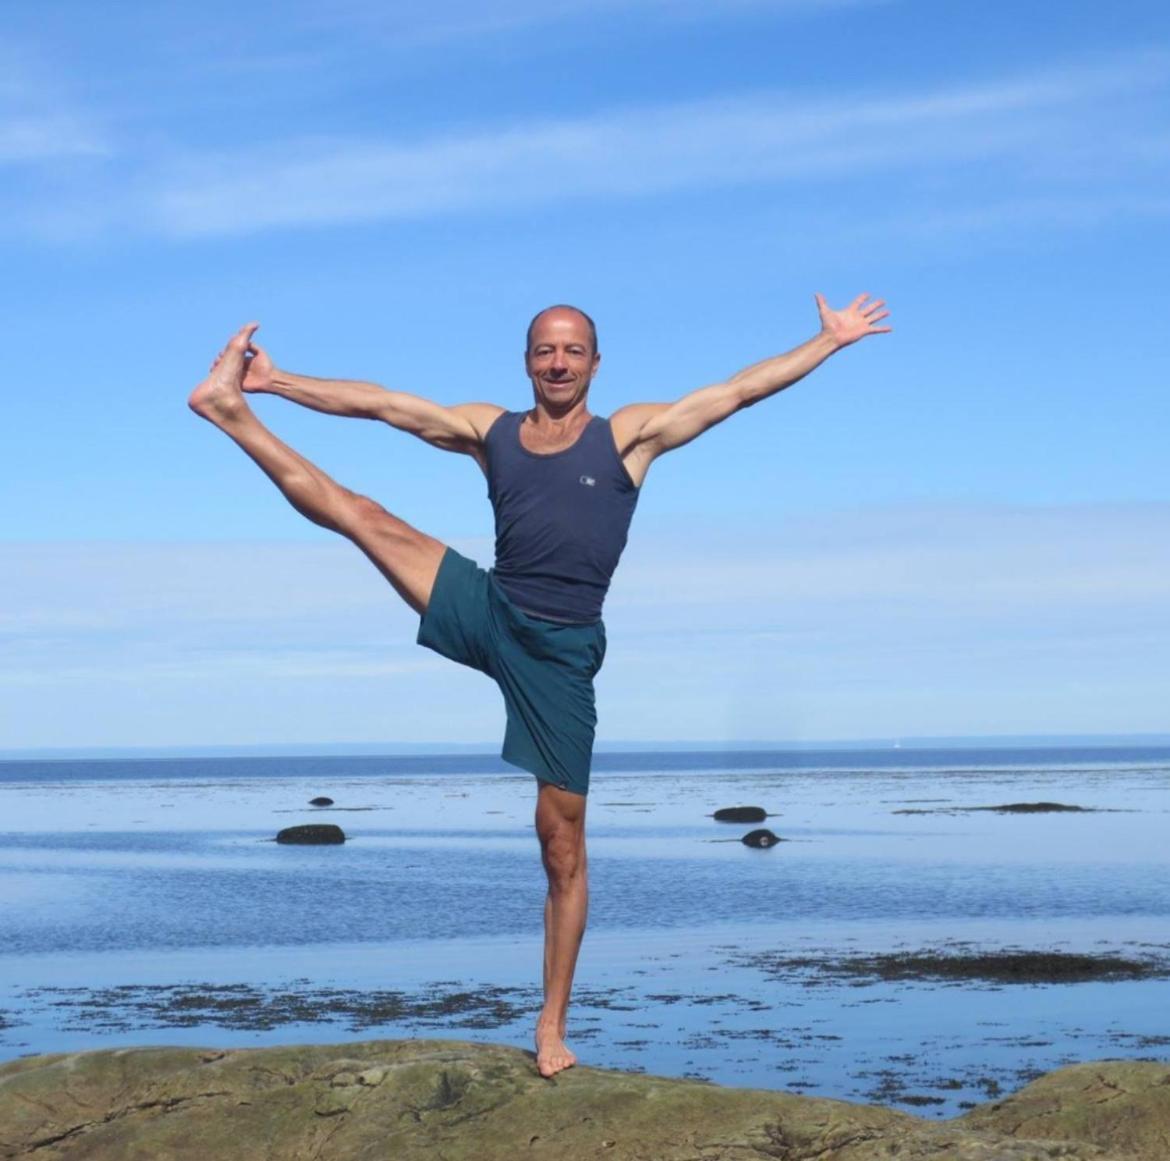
563,485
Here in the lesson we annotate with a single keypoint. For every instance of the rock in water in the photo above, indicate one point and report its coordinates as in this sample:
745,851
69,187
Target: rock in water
761,838
321,801
313,832
415,1100
1033,808
741,814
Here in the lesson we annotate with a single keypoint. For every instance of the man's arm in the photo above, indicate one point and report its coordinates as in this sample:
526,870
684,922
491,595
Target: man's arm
460,428
644,431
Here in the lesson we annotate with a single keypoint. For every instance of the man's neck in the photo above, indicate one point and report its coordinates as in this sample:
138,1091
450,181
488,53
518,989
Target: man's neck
553,420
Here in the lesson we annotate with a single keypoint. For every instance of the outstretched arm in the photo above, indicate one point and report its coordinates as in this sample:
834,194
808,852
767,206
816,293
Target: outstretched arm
460,428
644,431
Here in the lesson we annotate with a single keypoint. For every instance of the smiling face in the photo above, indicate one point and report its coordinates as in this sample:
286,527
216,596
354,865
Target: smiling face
561,359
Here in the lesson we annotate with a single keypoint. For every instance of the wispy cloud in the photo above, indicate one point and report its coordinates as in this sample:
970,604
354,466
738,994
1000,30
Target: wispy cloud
931,619
418,22
1066,145
1039,128
131,669
26,138
928,563
39,121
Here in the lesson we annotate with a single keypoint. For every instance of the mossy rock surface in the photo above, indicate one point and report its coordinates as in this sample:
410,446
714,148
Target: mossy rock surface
417,1099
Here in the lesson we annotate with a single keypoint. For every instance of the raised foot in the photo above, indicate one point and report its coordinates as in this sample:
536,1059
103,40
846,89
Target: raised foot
552,1054
219,397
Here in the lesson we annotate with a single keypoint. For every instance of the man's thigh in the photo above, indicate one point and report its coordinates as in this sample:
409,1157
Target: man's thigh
546,675
458,621
407,558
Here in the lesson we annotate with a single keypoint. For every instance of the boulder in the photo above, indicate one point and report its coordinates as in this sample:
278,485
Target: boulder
321,801
418,1100
313,832
1033,808
741,814
761,838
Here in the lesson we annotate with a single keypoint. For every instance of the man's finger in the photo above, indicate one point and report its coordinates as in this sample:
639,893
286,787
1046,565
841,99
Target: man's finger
859,300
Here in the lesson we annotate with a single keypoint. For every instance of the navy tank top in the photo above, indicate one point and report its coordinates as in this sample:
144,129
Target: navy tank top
561,519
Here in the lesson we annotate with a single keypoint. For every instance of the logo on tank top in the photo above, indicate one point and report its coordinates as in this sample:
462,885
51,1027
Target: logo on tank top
588,481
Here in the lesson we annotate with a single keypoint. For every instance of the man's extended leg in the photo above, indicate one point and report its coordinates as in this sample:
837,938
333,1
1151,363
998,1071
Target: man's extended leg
560,826
407,558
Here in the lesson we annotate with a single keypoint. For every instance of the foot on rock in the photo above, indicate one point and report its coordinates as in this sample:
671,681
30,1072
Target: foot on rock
552,1054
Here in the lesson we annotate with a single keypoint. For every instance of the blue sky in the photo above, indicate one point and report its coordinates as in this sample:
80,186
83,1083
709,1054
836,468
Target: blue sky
957,528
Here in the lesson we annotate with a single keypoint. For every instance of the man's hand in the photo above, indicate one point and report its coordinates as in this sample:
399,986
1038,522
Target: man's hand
644,431
854,322
258,374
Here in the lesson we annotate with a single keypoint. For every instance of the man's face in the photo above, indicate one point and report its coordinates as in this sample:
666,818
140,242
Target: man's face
560,360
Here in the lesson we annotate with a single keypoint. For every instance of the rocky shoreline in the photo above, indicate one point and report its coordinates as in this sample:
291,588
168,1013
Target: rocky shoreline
818,1033
416,1099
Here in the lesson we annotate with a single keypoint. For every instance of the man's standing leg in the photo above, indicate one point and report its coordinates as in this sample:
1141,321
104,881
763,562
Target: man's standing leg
560,826
407,558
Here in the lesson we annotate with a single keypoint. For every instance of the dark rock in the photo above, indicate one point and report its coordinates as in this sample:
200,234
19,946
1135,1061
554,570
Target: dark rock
761,838
741,814
321,801
1011,808
314,832
1030,808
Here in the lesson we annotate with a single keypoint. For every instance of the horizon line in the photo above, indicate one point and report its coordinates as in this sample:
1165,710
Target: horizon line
615,746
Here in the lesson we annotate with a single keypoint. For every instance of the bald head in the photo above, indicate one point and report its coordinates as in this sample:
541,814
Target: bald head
559,308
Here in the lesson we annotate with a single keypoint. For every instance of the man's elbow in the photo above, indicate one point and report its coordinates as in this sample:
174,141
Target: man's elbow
738,396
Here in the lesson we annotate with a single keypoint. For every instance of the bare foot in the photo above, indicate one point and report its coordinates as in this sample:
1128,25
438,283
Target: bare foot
219,398
552,1055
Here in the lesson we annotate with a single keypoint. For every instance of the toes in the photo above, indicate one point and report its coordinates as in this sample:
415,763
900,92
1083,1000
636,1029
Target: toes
556,1063
242,339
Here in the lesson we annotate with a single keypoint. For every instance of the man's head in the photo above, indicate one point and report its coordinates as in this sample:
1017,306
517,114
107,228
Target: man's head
561,356
572,310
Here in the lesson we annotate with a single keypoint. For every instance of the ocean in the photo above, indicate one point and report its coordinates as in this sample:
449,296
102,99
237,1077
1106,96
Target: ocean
146,902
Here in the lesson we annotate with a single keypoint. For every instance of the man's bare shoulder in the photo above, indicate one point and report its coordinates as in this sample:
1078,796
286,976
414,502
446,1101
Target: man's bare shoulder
480,415
627,422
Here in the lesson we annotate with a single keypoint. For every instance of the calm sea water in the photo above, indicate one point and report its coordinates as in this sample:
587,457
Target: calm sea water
129,886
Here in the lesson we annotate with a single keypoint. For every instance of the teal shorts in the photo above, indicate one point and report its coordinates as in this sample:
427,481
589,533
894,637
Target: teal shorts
544,669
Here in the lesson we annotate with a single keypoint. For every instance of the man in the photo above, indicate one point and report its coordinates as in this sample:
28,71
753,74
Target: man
563,485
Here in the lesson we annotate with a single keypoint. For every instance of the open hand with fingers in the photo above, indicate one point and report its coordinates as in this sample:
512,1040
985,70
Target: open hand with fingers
854,322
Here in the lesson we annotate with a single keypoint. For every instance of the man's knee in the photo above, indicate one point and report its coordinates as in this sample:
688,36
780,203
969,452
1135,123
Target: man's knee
562,847
363,515
367,522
